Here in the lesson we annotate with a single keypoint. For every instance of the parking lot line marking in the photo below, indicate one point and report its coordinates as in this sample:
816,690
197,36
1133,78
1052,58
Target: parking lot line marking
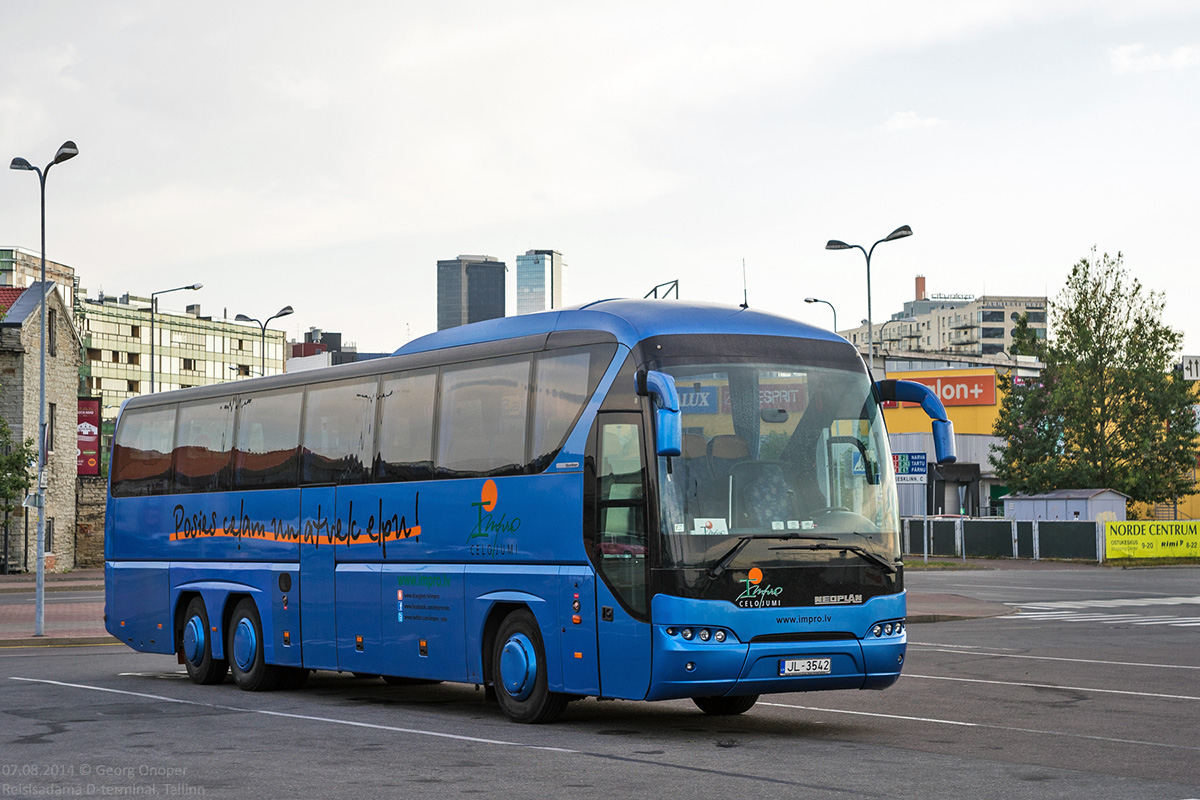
307,717
1053,686
941,649
982,726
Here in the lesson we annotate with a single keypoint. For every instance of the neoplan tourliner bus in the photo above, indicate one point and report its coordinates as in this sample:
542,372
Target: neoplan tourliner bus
628,499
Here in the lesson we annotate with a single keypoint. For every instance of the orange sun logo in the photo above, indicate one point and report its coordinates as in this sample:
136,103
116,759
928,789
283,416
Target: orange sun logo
489,495
755,576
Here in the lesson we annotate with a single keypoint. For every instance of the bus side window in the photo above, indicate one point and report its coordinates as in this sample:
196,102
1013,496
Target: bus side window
339,432
563,382
406,427
484,406
268,438
203,445
142,452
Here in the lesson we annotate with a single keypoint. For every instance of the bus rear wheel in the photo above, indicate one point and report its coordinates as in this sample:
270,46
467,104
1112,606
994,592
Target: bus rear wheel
725,706
519,672
196,646
245,650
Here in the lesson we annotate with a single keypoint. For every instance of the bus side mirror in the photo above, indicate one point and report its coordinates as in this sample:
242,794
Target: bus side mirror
668,427
913,392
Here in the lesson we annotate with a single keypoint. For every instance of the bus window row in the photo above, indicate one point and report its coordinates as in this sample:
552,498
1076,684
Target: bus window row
500,416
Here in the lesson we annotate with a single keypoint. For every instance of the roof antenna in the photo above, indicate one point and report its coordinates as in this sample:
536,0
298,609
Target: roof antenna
745,294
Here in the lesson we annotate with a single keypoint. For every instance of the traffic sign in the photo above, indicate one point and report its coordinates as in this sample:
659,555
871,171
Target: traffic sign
1191,368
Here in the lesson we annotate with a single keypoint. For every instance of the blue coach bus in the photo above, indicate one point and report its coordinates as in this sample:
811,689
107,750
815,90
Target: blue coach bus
628,499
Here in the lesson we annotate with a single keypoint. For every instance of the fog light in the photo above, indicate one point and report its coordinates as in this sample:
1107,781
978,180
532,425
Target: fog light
705,634
877,630
686,633
690,666
719,636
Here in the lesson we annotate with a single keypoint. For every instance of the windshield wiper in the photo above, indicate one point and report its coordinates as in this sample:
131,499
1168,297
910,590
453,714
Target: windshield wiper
716,570
858,550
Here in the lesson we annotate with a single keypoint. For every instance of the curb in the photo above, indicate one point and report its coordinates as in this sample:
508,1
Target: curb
62,641
56,587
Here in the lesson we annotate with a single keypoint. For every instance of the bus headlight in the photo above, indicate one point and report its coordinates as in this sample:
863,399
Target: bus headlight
877,630
687,633
719,637
705,634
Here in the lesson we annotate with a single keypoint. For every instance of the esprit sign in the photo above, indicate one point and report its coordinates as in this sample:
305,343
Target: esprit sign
961,390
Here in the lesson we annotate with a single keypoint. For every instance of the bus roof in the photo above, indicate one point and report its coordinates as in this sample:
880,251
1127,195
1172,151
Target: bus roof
630,321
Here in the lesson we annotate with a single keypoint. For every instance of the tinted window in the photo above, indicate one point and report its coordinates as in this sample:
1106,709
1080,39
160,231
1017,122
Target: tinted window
992,316
268,434
406,428
339,432
482,418
142,452
564,381
203,445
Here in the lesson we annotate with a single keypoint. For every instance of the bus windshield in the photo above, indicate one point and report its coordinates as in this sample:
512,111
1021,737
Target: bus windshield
793,459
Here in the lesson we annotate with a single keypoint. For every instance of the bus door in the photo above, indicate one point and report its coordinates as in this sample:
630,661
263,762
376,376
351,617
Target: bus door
318,629
621,556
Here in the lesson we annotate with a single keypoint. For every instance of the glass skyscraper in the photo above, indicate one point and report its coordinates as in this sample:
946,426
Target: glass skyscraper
539,281
469,289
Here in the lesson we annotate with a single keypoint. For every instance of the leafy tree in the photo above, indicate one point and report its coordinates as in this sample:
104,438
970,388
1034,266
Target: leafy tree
15,459
1109,410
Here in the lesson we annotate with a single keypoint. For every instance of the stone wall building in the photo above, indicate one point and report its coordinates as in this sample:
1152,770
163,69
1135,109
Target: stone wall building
20,370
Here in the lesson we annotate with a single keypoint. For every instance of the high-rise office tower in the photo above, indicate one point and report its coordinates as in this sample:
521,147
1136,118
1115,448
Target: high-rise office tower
469,289
539,281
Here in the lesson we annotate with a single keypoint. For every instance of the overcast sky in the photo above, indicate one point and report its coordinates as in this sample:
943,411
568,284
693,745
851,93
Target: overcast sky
326,155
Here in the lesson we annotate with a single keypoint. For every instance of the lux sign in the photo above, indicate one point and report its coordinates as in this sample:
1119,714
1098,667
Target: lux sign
962,390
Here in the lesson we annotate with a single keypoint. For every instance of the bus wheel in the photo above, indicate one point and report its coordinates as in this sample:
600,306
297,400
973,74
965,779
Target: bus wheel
725,706
245,650
519,672
196,645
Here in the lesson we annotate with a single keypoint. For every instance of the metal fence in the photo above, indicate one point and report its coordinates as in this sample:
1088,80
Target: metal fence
963,538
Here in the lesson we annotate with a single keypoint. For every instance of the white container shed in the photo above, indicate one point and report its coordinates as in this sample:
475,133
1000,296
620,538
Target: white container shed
1067,504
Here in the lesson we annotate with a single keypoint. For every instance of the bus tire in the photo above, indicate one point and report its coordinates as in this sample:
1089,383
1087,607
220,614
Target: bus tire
196,646
725,706
245,650
519,672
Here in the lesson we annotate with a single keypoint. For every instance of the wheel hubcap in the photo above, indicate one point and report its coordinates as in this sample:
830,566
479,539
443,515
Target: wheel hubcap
518,666
245,644
193,641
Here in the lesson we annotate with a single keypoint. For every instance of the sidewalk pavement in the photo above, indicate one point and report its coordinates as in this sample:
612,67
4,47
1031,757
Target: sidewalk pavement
82,623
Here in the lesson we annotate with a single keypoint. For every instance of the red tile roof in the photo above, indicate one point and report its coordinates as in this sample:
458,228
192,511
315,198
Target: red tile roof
8,296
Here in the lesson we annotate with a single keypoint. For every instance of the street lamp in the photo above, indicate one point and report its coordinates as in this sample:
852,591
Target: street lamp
831,308
154,307
283,312
67,151
834,244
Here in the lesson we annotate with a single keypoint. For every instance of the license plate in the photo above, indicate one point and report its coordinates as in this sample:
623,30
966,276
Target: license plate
805,666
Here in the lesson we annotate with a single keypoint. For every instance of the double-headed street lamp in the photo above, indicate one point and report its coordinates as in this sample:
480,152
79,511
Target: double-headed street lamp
831,308
834,244
154,307
283,312
67,151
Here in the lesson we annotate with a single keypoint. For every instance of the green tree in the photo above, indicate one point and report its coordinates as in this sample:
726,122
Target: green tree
1109,410
15,460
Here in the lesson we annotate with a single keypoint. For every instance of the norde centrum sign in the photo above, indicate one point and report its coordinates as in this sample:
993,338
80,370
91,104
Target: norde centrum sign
1152,539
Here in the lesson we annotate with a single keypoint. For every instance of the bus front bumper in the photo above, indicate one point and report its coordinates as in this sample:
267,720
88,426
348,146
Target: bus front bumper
694,668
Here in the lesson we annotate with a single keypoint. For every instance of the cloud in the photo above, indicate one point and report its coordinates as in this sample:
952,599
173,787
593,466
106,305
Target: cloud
1129,58
908,120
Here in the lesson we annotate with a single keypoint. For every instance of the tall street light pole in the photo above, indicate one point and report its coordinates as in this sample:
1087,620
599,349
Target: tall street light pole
831,308
283,312
67,151
835,244
154,307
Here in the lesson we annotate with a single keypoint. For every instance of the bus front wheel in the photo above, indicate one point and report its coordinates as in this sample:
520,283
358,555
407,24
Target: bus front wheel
519,672
725,706
245,650
196,646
